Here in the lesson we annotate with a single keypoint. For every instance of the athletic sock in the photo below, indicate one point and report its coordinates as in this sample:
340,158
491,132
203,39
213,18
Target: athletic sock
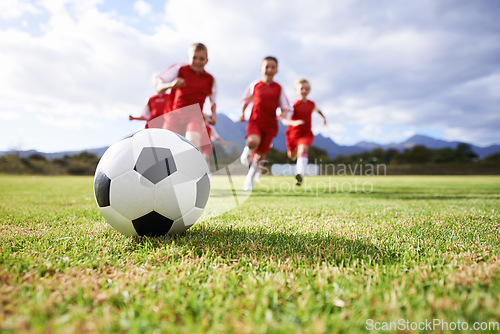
245,156
248,183
302,161
254,167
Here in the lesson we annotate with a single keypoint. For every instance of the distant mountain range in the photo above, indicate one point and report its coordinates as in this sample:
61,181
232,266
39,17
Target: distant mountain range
234,134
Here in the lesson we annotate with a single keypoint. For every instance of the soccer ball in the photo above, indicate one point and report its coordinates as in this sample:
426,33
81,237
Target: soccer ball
152,183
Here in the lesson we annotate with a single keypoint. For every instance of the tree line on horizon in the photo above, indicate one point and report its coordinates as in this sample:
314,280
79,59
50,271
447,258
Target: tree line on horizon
418,154
417,157
83,163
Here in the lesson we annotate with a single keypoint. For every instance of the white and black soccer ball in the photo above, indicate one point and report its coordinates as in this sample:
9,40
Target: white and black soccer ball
152,183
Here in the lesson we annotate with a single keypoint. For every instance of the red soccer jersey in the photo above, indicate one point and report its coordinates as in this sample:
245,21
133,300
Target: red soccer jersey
266,99
198,87
302,111
158,104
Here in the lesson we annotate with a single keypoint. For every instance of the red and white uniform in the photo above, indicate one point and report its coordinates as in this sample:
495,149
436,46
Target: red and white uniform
300,134
266,98
186,108
198,86
157,106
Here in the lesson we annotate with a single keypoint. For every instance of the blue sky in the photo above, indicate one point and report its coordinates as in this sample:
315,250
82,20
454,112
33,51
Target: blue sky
72,71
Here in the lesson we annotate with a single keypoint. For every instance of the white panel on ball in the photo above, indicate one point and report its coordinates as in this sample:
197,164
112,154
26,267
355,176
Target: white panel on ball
117,221
166,201
191,217
186,221
132,195
185,191
121,152
178,226
192,163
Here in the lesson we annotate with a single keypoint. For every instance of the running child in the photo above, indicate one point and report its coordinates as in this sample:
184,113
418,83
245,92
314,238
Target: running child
156,106
299,137
190,85
267,96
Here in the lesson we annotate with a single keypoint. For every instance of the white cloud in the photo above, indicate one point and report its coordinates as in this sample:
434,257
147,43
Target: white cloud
406,65
142,7
70,123
14,9
10,115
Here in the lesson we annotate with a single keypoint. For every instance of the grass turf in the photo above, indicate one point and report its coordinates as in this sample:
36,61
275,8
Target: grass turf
331,256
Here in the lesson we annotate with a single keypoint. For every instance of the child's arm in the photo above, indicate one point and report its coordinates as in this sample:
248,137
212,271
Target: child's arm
247,99
214,114
284,114
291,122
286,118
213,103
284,105
132,118
215,136
168,79
222,141
146,113
176,83
243,108
321,114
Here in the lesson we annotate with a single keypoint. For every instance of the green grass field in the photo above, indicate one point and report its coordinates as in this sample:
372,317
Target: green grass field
328,257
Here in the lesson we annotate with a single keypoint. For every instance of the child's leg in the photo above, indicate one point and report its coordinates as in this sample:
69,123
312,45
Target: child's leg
196,130
253,141
302,161
207,152
194,137
252,170
260,169
258,158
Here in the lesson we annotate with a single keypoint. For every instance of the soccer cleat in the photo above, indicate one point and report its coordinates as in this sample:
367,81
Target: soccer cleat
245,156
298,179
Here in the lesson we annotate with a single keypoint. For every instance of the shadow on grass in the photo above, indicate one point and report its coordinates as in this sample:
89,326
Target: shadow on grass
234,244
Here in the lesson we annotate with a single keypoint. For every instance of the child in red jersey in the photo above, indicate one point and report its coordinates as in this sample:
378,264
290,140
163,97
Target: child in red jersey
267,96
190,86
299,137
157,105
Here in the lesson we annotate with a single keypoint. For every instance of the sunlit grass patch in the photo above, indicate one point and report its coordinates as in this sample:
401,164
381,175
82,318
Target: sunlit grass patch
313,259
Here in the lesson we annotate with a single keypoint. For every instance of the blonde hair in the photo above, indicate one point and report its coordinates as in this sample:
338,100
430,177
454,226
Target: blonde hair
198,47
302,81
272,58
